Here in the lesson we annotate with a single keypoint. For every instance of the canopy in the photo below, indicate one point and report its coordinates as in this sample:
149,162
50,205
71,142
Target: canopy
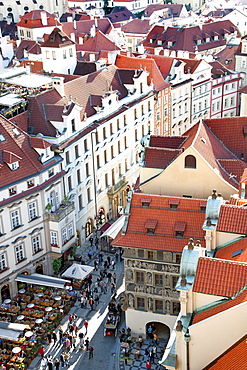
39,279
114,229
11,99
11,331
77,271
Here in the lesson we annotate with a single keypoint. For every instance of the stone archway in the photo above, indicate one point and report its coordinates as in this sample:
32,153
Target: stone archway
162,330
5,292
39,269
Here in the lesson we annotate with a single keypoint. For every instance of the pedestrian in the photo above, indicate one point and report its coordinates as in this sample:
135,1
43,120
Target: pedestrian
105,264
74,342
113,264
96,242
113,287
84,301
85,324
60,333
96,287
57,364
75,329
154,351
54,337
49,337
71,328
43,363
67,344
62,359
74,316
50,363
90,352
96,265
81,339
101,285
87,344
145,356
105,287
42,351
151,356
116,256
96,299
108,260
148,365
114,277
90,255
66,359
155,338
91,302
91,240
109,275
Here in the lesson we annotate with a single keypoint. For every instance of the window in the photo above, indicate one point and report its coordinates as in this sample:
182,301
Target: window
14,165
12,191
218,105
126,164
15,219
98,161
112,152
119,147
125,142
158,305
179,234
47,54
119,169
80,202
70,52
106,180
3,264
32,211
190,161
135,114
78,173
141,87
150,255
136,135
87,169
142,109
88,195
50,172
174,281
104,133
64,54
67,158
226,103
113,177
64,235
118,125
19,253
70,231
140,303
111,129
54,238
73,125
105,156
77,151
28,34
149,106
175,308
36,244
232,100
158,280
54,55
69,183
140,253
96,137
85,146
124,118
139,277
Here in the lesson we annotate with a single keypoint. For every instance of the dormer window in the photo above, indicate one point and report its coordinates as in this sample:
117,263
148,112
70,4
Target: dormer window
173,204
14,166
145,202
179,229
150,226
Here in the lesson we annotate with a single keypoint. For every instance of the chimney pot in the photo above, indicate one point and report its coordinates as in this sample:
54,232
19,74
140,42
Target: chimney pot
179,326
214,194
208,223
183,281
198,243
190,244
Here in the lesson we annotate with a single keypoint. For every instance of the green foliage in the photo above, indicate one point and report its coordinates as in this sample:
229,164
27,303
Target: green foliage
56,265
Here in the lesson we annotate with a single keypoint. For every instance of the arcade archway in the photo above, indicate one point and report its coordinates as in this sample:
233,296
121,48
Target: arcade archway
39,269
162,330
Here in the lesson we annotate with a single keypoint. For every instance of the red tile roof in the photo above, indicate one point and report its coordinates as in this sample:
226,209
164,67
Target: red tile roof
222,306
169,142
174,8
137,26
219,277
16,147
57,39
230,132
159,157
228,252
30,46
33,20
232,219
235,358
227,56
164,236
98,43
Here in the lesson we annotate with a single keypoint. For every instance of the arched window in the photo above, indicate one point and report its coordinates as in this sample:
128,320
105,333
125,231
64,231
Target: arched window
190,161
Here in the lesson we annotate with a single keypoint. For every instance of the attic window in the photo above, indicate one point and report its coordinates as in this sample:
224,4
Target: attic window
179,228
190,161
145,202
18,2
237,253
35,1
2,138
174,203
203,208
12,191
16,131
245,131
14,165
150,226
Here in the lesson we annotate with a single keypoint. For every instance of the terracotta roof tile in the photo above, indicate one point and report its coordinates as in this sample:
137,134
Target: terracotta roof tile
33,20
57,39
235,251
159,158
232,219
151,224
235,358
171,142
137,26
180,226
164,236
219,277
175,9
98,43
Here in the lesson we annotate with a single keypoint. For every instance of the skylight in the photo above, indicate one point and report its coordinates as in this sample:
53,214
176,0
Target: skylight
2,138
237,253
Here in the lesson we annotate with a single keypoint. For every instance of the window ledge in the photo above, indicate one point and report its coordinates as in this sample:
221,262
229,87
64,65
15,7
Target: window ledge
40,250
35,218
17,263
17,227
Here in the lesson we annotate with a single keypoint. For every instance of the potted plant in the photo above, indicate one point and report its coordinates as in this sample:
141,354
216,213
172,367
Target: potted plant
56,265
48,207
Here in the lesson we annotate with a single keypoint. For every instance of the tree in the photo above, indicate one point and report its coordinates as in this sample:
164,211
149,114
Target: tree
56,265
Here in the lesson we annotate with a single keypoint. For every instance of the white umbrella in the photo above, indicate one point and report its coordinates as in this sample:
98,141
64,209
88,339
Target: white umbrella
48,309
28,334
20,317
57,298
77,271
39,321
30,305
7,301
40,294
22,291
16,350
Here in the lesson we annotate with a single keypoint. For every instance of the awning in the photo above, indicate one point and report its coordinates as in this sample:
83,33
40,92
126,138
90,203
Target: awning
114,229
105,226
39,279
77,271
11,331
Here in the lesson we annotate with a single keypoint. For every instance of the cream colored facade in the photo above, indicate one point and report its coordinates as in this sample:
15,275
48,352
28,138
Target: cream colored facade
180,181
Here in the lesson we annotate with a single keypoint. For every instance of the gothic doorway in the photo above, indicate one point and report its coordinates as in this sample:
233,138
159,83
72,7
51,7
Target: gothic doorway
39,269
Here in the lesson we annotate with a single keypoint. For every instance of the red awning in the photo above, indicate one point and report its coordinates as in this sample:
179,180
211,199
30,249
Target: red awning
105,226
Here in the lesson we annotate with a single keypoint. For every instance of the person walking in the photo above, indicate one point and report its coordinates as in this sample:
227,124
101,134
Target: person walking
43,363
62,359
67,344
85,324
50,363
91,302
87,344
148,365
60,334
114,276
49,337
74,342
105,287
57,364
66,359
113,264
109,275
54,337
96,299
42,351
91,240
90,352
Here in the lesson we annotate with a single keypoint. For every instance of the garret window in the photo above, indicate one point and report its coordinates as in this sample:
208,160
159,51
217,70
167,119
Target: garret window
150,226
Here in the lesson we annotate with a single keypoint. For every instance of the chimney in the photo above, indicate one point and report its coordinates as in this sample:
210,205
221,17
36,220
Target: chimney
208,223
179,326
74,24
1,17
9,20
58,84
190,244
96,22
93,31
183,281
72,37
214,194
44,18
198,243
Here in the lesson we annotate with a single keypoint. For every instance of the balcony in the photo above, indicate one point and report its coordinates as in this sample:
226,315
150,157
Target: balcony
118,186
60,213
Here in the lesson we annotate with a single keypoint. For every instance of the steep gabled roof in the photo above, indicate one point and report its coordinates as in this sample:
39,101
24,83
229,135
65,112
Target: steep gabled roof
30,46
219,277
15,146
136,26
159,157
227,56
164,238
121,16
33,20
232,219
174,8
98,43
57,39
235,250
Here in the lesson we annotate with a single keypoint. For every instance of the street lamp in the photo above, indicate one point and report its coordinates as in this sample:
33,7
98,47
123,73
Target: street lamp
187,340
